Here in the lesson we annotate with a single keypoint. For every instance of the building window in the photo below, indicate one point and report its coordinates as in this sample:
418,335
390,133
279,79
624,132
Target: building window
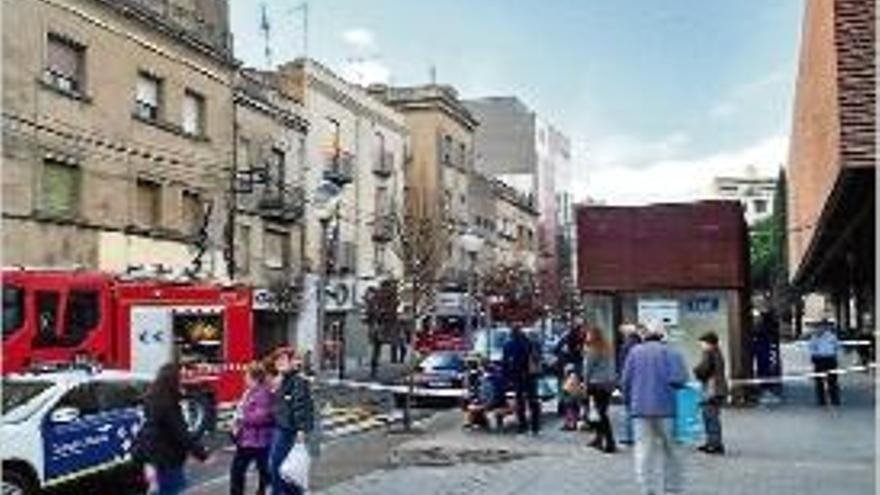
382,204
276,170
244,250
274,249
462,155
447,150
60,189
148,206
148,94
760,206
192,212
65,64
193,118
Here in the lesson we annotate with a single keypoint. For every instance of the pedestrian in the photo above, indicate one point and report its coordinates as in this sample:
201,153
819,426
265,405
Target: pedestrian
651,375
824,347
570,349
294,414
600,380
252,431
165,442
711,374
521,363
631,337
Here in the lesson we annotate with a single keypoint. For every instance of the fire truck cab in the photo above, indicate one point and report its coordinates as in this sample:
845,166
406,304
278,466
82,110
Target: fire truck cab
132,324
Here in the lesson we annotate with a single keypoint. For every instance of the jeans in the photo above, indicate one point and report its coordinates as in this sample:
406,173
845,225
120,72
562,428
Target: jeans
526,391
170,481
240,463
822,364
658,466
712,422
604,432
282,442
627,436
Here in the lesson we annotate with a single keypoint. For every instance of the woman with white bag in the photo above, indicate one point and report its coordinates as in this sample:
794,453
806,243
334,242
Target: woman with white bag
294,419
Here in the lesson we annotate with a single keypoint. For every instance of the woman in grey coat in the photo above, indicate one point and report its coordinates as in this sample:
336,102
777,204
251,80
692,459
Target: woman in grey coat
600,379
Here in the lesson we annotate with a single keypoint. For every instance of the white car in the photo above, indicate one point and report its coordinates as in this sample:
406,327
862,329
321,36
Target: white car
62,426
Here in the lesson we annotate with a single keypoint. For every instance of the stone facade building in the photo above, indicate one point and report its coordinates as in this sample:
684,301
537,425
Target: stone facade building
441,130
117,133
506,220
270,133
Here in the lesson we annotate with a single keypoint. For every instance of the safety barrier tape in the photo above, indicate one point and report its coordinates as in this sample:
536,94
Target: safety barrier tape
802,376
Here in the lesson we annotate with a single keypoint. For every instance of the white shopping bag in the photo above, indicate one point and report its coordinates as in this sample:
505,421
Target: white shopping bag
295,468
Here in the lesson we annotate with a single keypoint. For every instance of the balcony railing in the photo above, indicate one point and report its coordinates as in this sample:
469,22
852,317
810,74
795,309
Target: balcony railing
339,168
384,165
284,204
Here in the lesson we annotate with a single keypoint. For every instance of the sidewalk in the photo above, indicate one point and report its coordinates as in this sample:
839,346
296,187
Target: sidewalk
791,448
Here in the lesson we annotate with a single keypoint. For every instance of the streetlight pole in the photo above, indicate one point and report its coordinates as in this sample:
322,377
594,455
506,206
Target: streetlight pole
322,292
469,314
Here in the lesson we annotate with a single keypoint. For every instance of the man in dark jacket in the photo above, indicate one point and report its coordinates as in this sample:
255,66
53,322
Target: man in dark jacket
294,417
165,442
710,372
521,364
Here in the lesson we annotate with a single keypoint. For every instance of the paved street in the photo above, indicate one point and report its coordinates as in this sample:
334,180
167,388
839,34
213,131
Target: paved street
792,448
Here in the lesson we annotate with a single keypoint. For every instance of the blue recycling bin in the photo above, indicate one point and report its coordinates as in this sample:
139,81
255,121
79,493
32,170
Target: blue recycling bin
688,415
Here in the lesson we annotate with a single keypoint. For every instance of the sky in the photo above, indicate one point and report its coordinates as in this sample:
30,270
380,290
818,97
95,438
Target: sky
656,97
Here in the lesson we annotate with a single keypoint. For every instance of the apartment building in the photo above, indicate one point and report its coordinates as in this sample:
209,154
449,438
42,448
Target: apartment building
268,187
360,144
438,177
117,133
756,193
506,220
523,150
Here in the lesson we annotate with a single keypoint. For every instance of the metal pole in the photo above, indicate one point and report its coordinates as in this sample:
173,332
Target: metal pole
322,294
469,313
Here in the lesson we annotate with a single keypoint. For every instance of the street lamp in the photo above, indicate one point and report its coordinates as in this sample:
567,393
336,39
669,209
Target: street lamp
471,243
326,200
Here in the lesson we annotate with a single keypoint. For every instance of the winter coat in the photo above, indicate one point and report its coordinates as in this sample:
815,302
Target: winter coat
652,373
294,408
518,356
255,422
710,372
165,441
599,370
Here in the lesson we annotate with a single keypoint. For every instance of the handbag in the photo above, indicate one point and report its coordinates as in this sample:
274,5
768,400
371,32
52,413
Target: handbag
295,467
688,421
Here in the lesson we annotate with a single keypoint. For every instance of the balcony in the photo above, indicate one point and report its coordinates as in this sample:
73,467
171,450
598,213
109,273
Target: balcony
339,168
383,228
284,205
384,165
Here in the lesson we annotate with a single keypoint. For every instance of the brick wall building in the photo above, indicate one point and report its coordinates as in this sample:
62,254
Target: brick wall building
832,160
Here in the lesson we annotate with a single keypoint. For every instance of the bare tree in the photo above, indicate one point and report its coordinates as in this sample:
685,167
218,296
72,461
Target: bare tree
423,233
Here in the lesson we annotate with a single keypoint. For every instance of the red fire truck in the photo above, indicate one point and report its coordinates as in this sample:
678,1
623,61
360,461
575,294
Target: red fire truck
135,324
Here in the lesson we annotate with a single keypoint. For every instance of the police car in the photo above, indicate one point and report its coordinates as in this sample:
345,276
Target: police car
63,425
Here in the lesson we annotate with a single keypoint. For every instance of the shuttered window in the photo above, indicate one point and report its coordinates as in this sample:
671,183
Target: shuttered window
274,249
65,62
193,121
60,188
192,212
148,93
148,206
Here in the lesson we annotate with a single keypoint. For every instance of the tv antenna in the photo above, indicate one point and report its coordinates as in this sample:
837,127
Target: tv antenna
266,28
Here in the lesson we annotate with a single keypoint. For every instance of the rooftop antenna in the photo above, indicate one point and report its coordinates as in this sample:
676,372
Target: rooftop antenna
432,74
303,9
266,28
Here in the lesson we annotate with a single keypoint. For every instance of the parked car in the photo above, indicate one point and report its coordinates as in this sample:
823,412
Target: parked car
441,370
59,427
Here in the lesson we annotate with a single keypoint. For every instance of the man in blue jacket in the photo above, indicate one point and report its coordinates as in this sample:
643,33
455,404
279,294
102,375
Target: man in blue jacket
521,365
651,374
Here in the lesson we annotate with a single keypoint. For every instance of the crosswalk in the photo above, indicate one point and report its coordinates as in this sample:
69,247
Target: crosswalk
336,422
